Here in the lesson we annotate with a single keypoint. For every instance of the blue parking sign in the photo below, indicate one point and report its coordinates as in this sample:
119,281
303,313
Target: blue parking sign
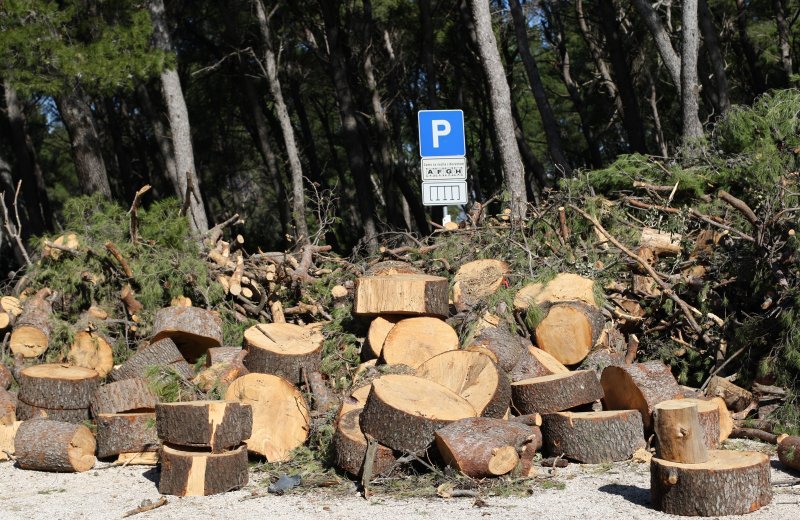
441,133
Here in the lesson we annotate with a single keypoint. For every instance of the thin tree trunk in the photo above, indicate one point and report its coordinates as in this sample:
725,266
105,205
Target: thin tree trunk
715,57
178,122
500,101
784,41
749,50
653,101
271,66
597,56
309,142
426,26
161,135
668,55
690,87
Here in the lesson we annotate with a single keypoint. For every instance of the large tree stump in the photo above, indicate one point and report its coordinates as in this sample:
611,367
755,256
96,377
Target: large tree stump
564,287
7,434
482,447
730,483
128,395
378,330
283,349
535,362
708,417
639,386
162,353
677,428
26,412
569,331
125,433
403,412
476,280
789,452
92,350
473,376
215,425
54,446
415,340
8,407
556,392
281,420
350,446
504,346
593,437
408,294
735,397
31,333
60,387
194,330
194,473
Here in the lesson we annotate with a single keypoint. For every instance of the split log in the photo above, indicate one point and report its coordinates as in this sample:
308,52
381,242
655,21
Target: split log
708,416
403,412
54,446
138,458
639,386
504,346
476,280
92,350
535,362
350,447
194,330
126,396
408,294
125,433
31,333
378,330
272,397
735,397
730,483
54,249
556,392
593,437
415,340
677,429
60,387
194,473
6,377
482,447
355,401
569,331
215,425
660,242
789,452
162,353
283,349
473,376
26,412
8,407
564,287
8,433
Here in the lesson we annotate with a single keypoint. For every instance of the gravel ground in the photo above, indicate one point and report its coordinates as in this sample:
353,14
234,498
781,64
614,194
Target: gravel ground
590,492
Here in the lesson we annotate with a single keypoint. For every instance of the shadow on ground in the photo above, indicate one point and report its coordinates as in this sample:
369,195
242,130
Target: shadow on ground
635,494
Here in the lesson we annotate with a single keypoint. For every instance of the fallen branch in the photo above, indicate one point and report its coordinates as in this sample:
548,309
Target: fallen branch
187,198
146,506
214,234
121,259
14,231
757,435
137,199
740,205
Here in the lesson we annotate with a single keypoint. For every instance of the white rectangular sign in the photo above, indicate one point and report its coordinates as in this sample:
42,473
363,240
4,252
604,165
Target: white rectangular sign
444,169
443,193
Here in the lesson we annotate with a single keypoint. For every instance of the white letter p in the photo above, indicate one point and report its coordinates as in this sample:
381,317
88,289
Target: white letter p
441,128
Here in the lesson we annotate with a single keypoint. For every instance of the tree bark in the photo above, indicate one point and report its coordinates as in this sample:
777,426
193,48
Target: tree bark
597,56
784,39
715,57
690,87
500,100
665,49
749,50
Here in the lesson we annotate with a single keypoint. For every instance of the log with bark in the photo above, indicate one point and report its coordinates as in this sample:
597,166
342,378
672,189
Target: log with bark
639,386
126,433
6,377
163,353
355,400
527,454
8,407
735,397
473,376
221,374
476,280
535,362
197,473
726,423
556,392
415,340
378,330
789,452
708,417
678,432
593,437
569,331
60,387
26,412
503,345
222,355
128,395
54,446
194,330
283,349
660,242
31,334
407,294
214,425
10,308
8,433
350,447
272,397
403,411
729,483
92,350
564,287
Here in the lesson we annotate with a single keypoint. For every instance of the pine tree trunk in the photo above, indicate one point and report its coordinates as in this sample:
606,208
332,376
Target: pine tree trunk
715,57
160,134
690,86
784,39
668,55
749,50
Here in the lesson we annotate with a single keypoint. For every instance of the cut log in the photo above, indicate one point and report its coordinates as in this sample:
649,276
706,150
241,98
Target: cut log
126,432
527,454
602,358
531,419
677,429
283,349
26,412
789,452
504,346
569,331
6,377
194,330
67,240
476,280
139,458
355,401
220,375
564,287
222,355
7,317
92,350
8,407
482,447
60,387
126,396
535,362
708,416
415,340
593,437
556,392
8,433
730,483
11,305
194,473
162,353
31,333
272,397
378,330
350,447
735,397
639,386
725,419
403,412
54,446
473,376
407,294
660,242
215,425
391,267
